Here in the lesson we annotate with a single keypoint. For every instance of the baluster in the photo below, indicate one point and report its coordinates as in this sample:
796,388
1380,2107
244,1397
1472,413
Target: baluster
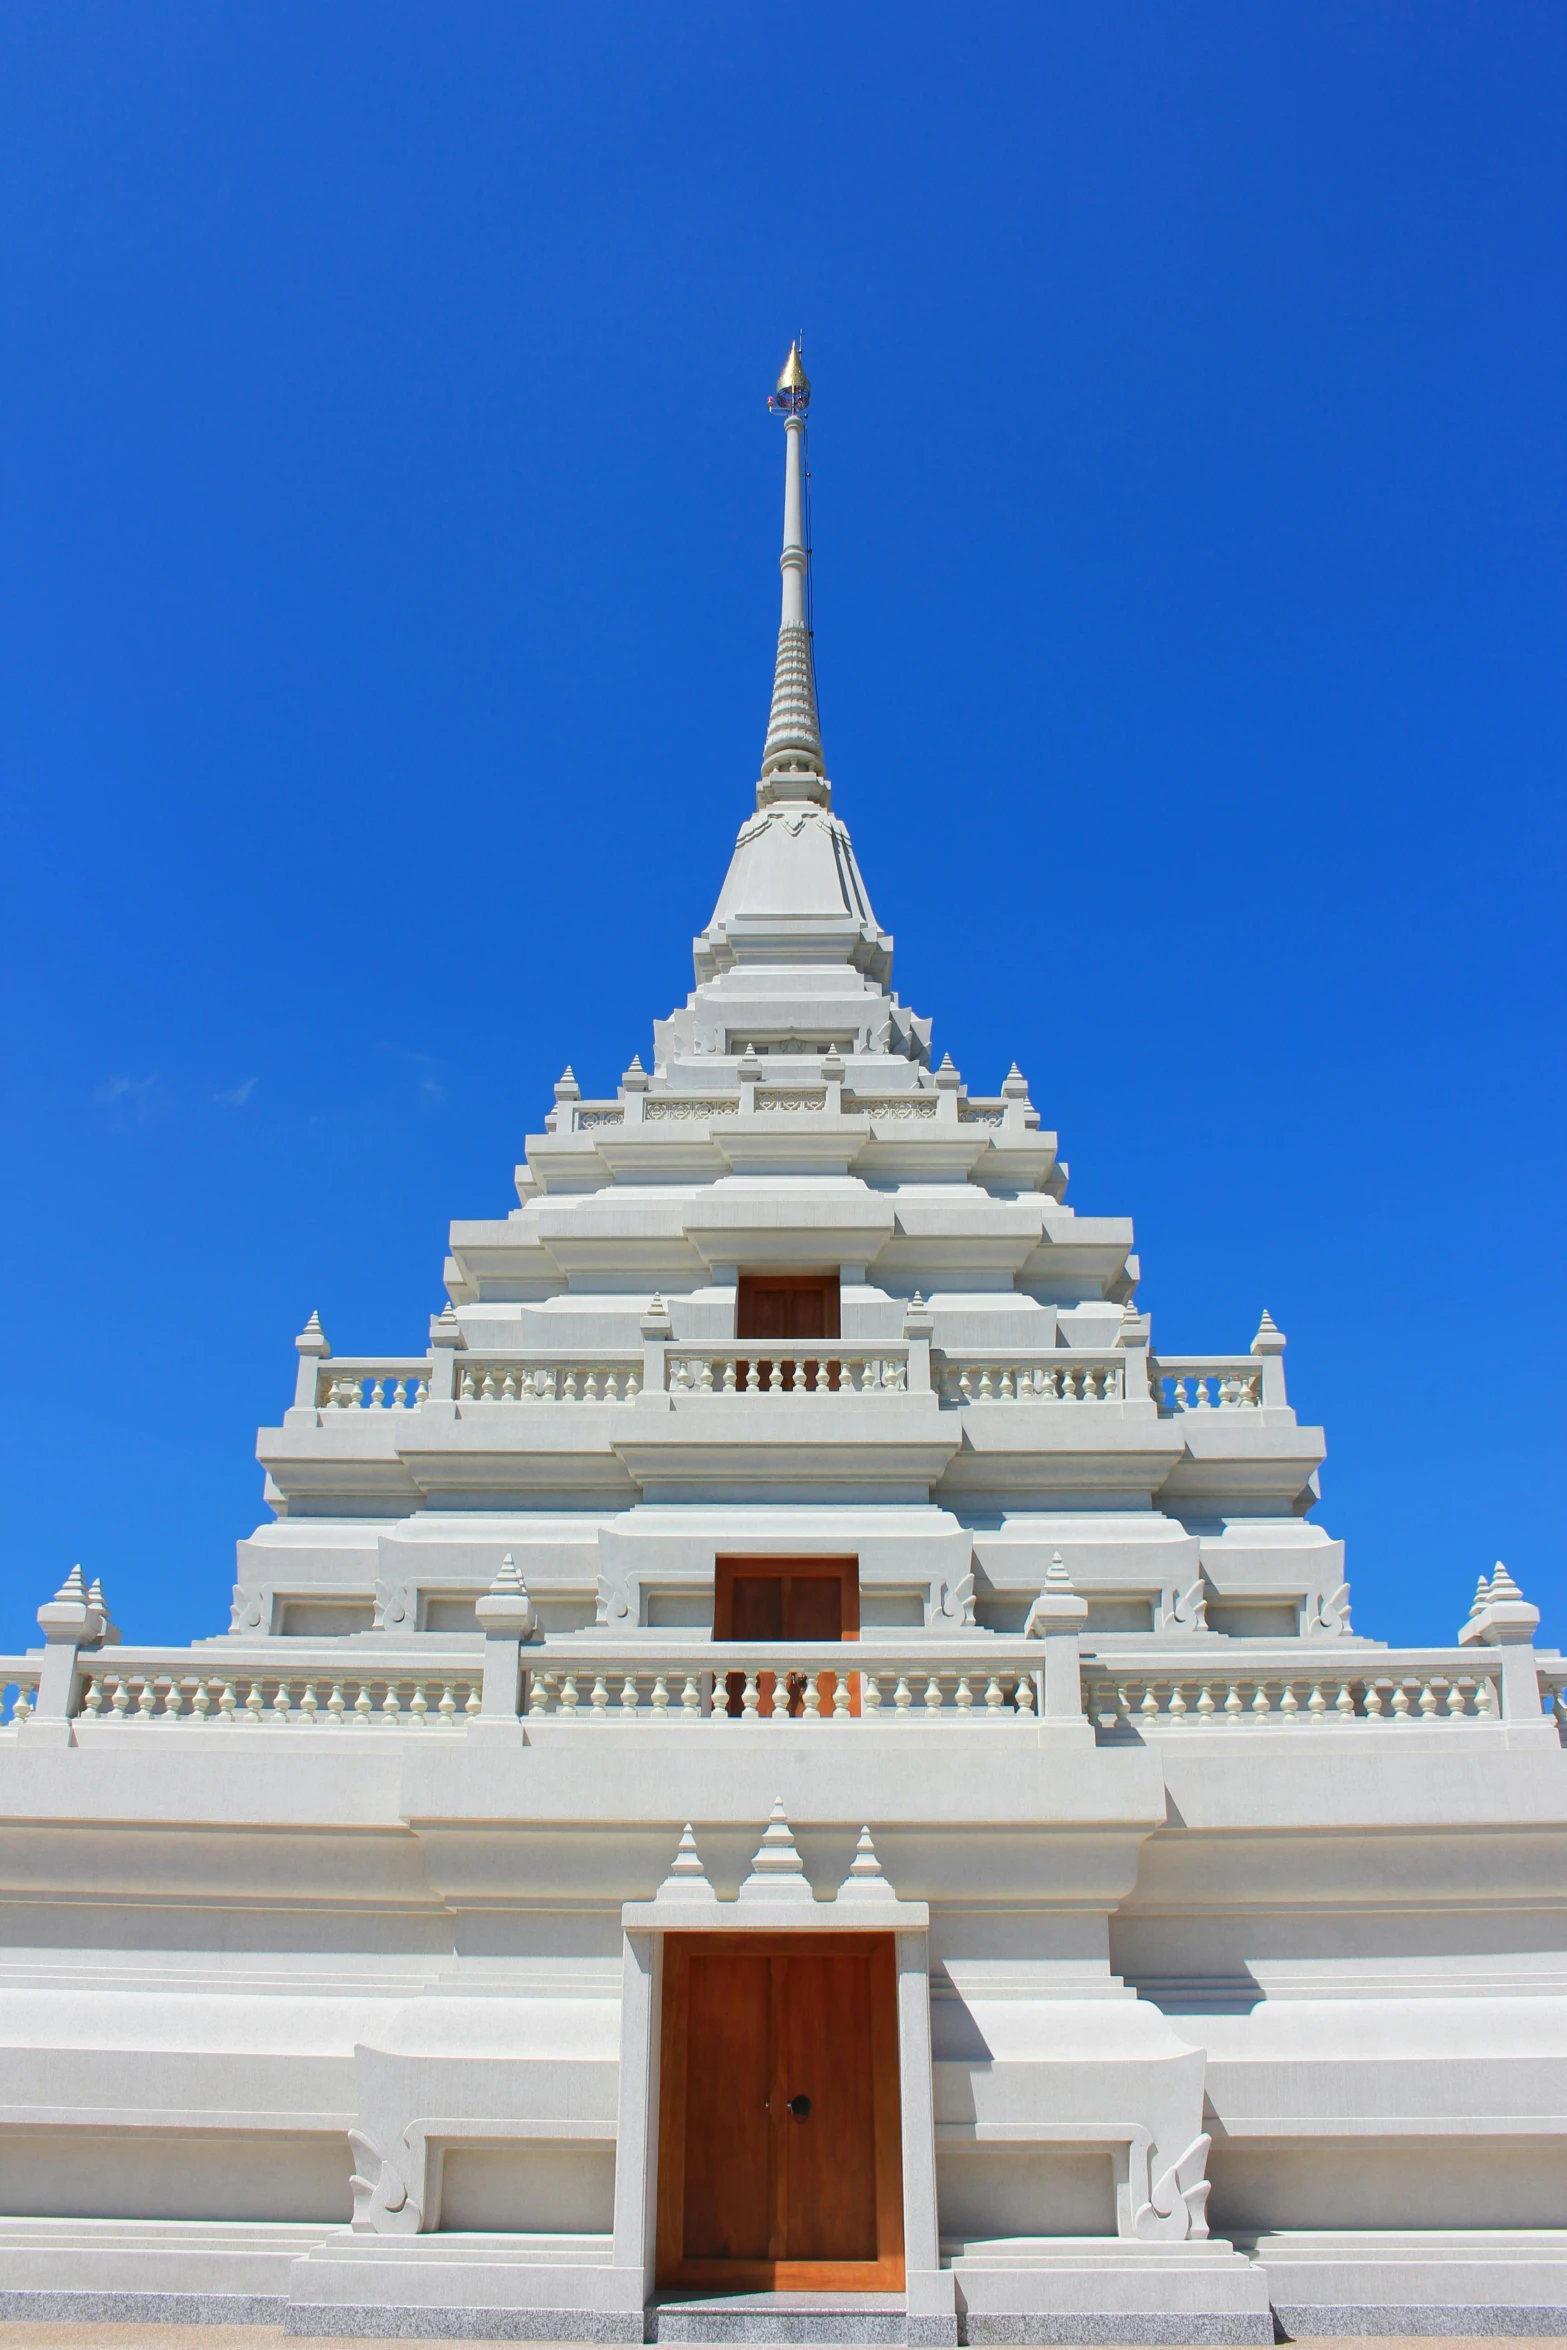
1177,1704
253,1701
1205,1705
966,1384
147,1703
377,1393
228,1703
598,1697
753,1378
870,1694
539,1687
447,1708
280,1702
467,1391
511,1391
775,1378
633,1385
92,1703
1428,1701
691,1698
781,1695
173,1703
1400,1702
629,1697
473,1703
1455,1700
1373,1702
1261,1705
933,1695
660,1696
419,1705
964,1696
569,1697
390,1706
569,1384
730,1374
1178,1395
1289,1703
750,1699
22,1703
309,1704
840,1697
1344,1703
986,1389
812,1701
903,1696
1149,1709
335,1705
1233,1708
1485,1696
363,1708
590,1384
1008,1385
1023,1695
718,1706
201,1703
995,1699
122,1696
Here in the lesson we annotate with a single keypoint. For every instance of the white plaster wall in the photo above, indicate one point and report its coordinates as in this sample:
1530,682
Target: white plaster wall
995,2191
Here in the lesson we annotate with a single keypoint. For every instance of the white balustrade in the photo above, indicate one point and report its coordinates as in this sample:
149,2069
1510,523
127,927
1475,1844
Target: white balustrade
388,1383
1310,1698
733,1690
535,1380
18,1690
262,1698
1045,1377
749,1368
1206,1383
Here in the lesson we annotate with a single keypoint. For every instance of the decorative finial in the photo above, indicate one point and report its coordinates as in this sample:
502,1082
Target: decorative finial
1270,1338
793,764
74,1589
687,1879
777,1871
1502,1584
1482,1596
866,1880
792,392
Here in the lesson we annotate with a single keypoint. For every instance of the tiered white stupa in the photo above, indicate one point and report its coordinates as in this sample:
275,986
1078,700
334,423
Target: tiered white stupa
791,1750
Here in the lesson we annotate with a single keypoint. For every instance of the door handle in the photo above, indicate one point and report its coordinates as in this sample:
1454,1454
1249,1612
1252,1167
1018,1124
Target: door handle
799,2107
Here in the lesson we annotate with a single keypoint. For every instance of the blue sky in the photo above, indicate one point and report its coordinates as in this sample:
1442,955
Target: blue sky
391,513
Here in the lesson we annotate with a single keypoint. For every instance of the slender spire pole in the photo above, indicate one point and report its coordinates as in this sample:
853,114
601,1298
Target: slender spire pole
793,766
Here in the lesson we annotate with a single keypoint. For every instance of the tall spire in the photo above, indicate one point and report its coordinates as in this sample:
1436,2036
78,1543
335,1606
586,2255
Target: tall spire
793,767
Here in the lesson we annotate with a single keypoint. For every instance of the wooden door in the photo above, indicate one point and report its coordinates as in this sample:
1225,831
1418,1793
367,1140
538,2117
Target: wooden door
779,2159
787,1599
796,1311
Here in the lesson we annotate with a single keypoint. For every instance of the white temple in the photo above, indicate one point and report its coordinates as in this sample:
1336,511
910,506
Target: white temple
791,1776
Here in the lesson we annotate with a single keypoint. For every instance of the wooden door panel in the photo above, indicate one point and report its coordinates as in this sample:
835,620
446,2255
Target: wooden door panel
750,2195
829,2188
787,1305
728,2193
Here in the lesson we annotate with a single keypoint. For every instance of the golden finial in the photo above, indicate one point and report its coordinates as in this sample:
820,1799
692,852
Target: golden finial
792,393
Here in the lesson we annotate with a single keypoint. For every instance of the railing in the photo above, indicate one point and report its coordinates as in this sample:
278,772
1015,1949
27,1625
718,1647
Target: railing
348,1383
729,1686
340,1695
19,1677
1280,1693
1553,1691
531,1379
1040,1377
746,1369
1206,1383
